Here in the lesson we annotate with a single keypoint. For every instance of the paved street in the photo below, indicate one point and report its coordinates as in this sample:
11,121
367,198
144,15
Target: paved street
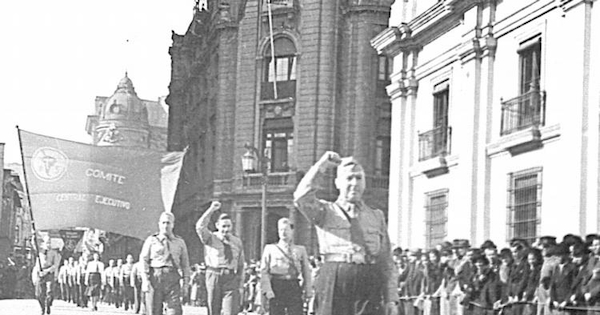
31,307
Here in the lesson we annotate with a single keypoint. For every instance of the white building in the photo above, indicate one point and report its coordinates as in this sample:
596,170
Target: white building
495,113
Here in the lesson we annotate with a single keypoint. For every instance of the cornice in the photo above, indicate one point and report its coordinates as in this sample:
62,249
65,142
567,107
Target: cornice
393,40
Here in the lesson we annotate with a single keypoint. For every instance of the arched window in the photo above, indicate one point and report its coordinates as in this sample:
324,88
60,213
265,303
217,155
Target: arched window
281,70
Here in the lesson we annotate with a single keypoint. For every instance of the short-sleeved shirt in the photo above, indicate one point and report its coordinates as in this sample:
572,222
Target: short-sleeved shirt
158,248
214,247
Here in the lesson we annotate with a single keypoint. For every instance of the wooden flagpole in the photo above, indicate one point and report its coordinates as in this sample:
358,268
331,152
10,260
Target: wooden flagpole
35,243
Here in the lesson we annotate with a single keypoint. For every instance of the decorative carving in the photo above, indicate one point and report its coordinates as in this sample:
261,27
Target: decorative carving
112,135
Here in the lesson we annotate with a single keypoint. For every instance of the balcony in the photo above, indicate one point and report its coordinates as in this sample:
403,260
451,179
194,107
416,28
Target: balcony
434,146
434,143
278,4
522,112
285,89
522,118
281,179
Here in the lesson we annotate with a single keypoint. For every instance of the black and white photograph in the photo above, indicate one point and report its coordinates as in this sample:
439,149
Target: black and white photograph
300,157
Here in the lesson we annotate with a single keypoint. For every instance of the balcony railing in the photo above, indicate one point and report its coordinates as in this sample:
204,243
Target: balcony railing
523,111
254,180
285,89
434,143
278,4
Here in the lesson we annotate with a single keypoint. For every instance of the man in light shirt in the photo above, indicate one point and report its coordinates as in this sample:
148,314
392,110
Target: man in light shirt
44,273
224,259
163,256
283,266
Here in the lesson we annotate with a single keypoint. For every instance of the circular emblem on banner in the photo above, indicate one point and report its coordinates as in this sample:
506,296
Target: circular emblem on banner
49,164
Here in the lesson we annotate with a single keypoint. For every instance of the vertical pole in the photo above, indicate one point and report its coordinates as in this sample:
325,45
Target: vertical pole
272,49
263,210
35,245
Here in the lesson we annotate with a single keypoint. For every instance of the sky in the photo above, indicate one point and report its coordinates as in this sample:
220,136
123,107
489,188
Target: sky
57,56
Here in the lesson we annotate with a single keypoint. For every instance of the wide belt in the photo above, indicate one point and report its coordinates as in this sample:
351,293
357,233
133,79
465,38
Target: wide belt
350,258
221,271
164,269
284,277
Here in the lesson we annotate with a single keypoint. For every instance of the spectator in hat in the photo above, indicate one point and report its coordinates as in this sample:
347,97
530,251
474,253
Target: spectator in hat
562,280
414,280
433,278
591,291
579,259
506,260
485,288
517,276
534,260
461,265
448,280
551,260
491,253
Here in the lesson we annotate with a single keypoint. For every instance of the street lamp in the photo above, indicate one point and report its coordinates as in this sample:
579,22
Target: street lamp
250,163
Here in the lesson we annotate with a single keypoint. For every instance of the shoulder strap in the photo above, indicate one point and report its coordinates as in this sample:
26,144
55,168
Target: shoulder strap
290,259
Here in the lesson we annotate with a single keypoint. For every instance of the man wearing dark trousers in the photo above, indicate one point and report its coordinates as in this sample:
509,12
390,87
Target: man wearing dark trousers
358,276
44,273
163,256
281,267
224,259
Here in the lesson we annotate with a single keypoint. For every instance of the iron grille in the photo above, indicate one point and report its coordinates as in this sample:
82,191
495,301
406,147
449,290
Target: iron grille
434,143
524,204
523,111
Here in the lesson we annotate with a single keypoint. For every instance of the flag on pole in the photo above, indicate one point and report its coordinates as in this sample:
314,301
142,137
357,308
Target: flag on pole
117,189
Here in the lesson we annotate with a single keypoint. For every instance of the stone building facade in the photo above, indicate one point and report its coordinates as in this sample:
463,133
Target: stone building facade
323,90
495,110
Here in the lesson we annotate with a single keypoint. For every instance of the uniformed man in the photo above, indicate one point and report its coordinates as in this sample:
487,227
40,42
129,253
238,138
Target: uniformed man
358,271
44,272
62,281
137,272
224,258
108,282
282,265
124,281
164,256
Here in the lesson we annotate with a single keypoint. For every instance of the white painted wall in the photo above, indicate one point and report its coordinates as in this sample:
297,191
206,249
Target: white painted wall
569,161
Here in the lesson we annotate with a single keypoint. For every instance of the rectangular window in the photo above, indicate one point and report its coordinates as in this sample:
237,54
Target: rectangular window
435,142
530,63
384,68
382,156
279,143
284,69
524,204
436,217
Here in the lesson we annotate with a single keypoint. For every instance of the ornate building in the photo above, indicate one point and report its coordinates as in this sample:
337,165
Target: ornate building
319,87
123,119
496,120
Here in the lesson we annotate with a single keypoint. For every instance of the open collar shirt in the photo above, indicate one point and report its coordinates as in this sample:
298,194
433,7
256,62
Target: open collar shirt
333,227
214,248
275,263
156,251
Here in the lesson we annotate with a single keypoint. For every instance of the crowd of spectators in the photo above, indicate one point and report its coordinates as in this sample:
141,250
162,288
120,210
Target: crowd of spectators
545,277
